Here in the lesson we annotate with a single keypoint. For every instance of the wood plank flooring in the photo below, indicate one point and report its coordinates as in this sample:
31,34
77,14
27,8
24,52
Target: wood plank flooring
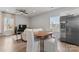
66,47
9,44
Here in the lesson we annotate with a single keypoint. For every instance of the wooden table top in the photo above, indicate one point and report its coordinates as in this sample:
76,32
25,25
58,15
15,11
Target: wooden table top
42,33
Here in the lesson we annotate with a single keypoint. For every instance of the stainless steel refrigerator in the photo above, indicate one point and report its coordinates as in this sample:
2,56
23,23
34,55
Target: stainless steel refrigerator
71,27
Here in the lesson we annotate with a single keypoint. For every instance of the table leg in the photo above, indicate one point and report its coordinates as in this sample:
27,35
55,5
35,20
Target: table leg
41,45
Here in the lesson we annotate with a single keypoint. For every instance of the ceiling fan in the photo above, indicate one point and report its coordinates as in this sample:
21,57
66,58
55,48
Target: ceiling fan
22,11
16,11
5,12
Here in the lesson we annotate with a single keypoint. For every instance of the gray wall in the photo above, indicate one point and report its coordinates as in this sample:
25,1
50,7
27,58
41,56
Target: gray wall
42,20
22,20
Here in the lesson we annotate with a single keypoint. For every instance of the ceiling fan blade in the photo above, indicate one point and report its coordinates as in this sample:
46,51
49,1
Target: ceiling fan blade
26,13
22,11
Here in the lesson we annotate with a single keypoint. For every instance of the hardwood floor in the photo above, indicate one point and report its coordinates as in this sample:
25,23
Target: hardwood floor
9,44
66,47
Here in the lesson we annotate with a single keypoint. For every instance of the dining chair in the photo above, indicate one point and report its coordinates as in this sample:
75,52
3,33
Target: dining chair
50,45
34,30
32,43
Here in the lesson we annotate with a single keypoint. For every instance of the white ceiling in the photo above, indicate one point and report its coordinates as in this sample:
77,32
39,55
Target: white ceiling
32,11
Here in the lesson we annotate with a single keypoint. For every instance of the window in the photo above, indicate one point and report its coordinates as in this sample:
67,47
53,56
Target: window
55,23
8,23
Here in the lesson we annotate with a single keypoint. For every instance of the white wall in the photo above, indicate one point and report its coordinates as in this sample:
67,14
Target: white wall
43,20
22,20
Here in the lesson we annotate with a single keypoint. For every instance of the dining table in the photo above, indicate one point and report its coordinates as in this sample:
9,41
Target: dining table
42,35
